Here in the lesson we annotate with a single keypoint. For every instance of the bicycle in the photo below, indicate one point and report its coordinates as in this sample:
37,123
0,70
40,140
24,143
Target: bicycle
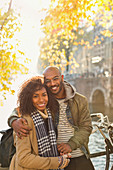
104,123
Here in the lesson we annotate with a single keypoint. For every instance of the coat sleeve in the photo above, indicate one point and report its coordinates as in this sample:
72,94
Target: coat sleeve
12,117
81,136
27,155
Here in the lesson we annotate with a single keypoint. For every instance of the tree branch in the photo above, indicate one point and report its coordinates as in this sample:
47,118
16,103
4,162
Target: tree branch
7,13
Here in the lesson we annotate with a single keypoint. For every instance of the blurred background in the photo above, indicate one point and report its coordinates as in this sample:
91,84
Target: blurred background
76,36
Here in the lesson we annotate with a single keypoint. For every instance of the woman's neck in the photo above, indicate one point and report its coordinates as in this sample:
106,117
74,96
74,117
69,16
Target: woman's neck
43,113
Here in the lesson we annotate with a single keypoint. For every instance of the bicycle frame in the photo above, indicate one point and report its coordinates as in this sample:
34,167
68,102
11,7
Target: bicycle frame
103,122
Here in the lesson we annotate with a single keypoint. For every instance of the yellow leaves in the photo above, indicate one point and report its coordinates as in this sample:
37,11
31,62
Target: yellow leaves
105,3
66,44
102,39
81,32
10,64
27,60
11,47
63,16
95,43
75,43
22,53
93,23
12,92
99,42
71,72
107,33
66,28
82,42
87,43
7,54
1,102
62,69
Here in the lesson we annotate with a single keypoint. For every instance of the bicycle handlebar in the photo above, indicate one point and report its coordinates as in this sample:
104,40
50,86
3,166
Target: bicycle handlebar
103,120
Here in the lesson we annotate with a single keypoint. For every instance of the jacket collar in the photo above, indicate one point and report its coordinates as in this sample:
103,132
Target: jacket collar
70,91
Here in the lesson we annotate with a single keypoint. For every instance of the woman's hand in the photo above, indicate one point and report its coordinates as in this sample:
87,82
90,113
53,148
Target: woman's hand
63,161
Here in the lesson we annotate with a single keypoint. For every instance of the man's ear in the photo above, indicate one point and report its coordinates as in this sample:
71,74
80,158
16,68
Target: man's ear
62,77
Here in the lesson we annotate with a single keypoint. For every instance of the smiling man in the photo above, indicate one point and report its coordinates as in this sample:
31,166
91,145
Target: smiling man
73,121
53,80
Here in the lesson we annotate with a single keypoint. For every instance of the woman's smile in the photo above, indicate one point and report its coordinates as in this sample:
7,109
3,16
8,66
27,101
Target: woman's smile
40,99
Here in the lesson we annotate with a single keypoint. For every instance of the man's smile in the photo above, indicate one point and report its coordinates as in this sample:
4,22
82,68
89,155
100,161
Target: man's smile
54,87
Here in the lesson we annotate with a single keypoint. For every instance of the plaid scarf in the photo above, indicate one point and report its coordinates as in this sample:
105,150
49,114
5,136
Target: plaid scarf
46,139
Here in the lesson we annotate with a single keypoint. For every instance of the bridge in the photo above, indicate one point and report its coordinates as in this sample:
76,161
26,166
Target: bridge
98,90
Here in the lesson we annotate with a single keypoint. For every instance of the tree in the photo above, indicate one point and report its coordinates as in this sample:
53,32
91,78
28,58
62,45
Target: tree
58,50
11,57
63,16
69,21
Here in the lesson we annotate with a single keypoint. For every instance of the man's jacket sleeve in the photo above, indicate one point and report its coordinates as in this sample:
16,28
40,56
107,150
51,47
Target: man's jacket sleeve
83,122
12,117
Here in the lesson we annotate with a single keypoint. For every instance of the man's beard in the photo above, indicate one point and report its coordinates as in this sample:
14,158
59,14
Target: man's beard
60,88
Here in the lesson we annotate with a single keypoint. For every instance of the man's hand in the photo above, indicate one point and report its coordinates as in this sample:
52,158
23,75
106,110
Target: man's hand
21,127
64,148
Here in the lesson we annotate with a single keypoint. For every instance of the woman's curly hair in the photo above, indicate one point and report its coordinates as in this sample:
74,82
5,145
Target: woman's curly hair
26,93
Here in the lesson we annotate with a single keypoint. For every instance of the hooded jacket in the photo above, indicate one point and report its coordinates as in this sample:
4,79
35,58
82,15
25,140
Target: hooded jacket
79,117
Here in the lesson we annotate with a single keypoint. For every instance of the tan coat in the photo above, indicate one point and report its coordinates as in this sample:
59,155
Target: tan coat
26,157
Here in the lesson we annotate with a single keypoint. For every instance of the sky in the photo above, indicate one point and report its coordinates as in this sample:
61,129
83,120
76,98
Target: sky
30,12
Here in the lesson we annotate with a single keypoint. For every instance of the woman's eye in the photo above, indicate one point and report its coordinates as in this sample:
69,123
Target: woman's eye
35,96
44,94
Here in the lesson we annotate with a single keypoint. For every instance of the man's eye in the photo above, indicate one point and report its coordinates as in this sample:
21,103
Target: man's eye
55,78
47,81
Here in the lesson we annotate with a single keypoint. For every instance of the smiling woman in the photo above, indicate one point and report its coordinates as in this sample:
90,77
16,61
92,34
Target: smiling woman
38,150
40,99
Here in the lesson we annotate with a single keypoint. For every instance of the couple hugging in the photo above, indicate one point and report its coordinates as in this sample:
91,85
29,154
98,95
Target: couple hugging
54,127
